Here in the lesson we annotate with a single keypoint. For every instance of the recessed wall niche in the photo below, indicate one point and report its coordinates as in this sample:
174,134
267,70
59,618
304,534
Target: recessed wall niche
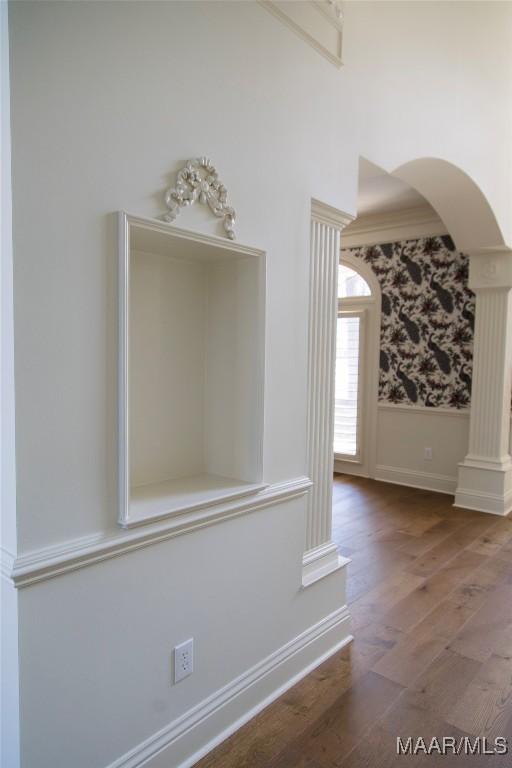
191,370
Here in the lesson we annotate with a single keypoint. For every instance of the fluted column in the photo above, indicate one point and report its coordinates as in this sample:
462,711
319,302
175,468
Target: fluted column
321,556
485,475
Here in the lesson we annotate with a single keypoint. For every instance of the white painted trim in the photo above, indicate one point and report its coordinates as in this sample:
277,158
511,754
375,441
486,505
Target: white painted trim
408,224
192,727
144,222
353,461
362,268
78,553
331,217
7,560
363,415
277,9
424,409
126,516
482,501
10,742
344,467
426,481
370,360
321,562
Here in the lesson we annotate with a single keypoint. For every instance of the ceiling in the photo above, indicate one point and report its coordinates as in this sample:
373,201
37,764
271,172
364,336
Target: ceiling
379,192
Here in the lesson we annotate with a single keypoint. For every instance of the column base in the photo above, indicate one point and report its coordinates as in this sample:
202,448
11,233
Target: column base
320,562
485,486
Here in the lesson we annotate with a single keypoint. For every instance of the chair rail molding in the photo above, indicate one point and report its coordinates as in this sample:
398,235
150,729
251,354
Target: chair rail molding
321,555
60,559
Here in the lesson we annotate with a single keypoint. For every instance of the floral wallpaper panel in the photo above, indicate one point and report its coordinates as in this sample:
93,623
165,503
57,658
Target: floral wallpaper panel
428,315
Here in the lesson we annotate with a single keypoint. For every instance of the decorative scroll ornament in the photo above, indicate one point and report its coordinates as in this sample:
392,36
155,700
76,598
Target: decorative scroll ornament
199,180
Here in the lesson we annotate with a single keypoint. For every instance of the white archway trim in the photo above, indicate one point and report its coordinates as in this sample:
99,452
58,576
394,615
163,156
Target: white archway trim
455,197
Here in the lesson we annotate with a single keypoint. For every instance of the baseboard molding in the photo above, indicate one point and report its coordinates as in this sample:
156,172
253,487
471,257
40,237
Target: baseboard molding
321,562
57,560
479,501
189,738
347,468
426,481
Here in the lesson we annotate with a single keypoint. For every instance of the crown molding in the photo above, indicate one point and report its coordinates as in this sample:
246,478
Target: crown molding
315,21
327,214
407,224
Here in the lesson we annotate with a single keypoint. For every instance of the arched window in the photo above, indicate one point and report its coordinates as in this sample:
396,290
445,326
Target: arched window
356,344
351,284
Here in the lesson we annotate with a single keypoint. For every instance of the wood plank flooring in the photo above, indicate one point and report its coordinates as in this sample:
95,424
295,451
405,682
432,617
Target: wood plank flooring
430,592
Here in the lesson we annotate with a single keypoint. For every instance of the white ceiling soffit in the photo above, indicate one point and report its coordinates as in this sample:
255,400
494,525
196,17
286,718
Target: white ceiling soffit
388,209
318,22
380,192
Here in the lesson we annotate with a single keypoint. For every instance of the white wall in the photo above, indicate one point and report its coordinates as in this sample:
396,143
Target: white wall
167,329
404,432
108,100
111,130
434,79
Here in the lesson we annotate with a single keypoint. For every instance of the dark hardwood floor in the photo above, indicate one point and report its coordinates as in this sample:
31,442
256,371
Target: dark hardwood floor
430,592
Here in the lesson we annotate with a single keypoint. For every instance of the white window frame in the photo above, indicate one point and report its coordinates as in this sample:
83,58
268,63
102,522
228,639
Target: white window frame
364,463
346,312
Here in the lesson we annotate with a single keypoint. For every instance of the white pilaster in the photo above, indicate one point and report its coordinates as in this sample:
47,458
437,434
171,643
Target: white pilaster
321,556
485,475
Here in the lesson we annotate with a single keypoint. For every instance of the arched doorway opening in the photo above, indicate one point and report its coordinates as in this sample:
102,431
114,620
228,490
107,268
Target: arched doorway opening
431,209
356,376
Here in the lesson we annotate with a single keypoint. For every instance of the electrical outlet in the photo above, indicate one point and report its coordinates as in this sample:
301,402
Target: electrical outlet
183,660
427,454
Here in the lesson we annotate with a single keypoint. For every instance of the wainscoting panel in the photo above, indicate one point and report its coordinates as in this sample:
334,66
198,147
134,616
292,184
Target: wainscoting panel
406,433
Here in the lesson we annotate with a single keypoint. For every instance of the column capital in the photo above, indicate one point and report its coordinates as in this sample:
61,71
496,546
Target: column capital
490,269
328,215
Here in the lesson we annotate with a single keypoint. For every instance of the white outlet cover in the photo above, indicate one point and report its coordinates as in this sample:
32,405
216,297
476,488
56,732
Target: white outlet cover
183,660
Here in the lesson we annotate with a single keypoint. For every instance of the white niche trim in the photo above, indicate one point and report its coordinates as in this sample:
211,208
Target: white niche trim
191,370
199,180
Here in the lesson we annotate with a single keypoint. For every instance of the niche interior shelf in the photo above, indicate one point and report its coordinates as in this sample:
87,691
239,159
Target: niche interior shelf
191,370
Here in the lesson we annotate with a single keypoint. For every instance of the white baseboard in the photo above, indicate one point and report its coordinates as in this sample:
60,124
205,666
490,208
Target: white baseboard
480,501
189,738
350,468
321,562
426,481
